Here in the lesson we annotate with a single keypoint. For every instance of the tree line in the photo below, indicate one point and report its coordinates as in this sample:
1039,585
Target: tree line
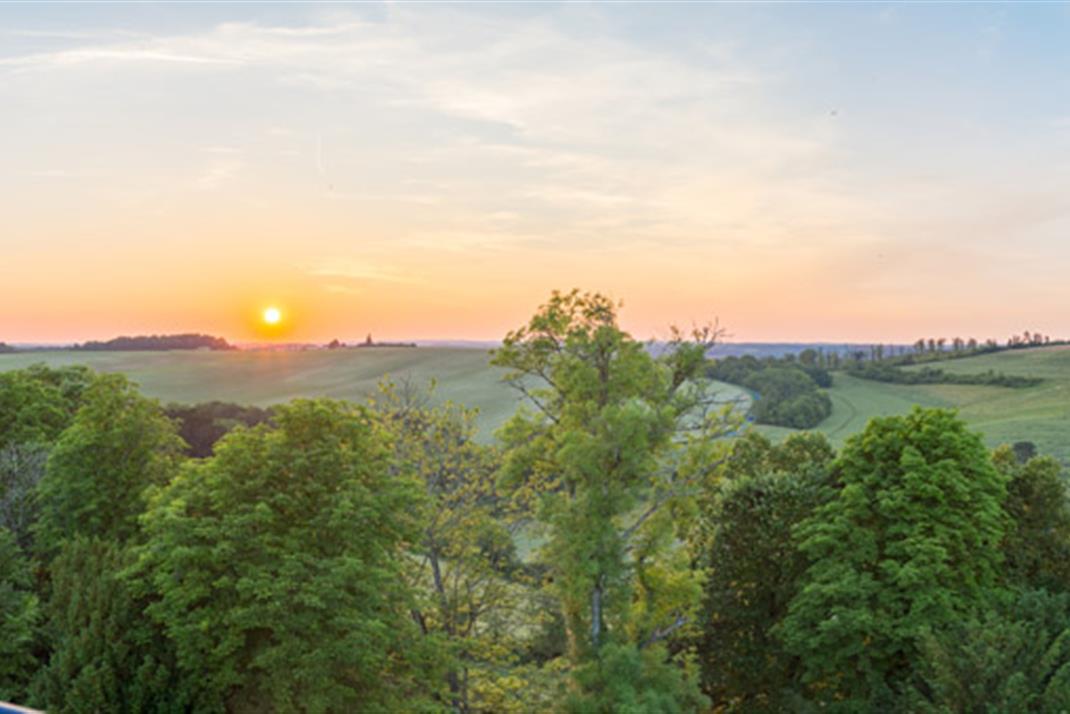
787,391
191,341
610,552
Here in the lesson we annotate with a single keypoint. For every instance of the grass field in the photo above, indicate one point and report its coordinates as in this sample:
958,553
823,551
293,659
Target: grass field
1040,414
263,378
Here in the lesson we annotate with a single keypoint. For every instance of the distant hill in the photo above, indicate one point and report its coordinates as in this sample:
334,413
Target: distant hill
157,343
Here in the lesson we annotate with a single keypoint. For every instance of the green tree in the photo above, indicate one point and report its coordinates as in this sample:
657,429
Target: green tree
910,544
39,402
754,568
476,596
97,475
788,396
22,466
611,447
18,619
1037,544
105,656
278,567
1011,657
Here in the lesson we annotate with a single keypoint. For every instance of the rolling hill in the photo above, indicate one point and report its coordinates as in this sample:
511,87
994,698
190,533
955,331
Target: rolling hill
1040,414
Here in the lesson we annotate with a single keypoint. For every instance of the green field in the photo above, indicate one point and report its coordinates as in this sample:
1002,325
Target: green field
1040,414
262,378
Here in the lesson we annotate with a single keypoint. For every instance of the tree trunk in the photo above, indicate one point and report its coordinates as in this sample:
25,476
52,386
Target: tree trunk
596,612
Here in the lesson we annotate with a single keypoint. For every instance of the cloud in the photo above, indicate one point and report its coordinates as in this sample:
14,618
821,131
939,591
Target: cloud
350,269
218,173
472,132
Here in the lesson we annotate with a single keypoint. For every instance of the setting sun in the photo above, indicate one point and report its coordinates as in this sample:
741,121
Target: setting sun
272,316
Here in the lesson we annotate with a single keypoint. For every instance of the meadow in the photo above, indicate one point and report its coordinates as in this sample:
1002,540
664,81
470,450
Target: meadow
1039,414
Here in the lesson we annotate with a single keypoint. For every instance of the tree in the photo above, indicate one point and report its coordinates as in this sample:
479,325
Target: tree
104,654
202,425
467,564
277,567
18,619
1037,543
910,544
1024,451
22,466
96,478
39,402
612,445
754,568
1011,657
788,397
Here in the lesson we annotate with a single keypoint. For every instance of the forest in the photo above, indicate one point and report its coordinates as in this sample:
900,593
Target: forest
625,544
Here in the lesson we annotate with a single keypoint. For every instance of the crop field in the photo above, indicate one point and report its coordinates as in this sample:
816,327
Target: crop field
1040,414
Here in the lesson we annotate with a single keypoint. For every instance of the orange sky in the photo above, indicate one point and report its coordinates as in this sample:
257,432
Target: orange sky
423,172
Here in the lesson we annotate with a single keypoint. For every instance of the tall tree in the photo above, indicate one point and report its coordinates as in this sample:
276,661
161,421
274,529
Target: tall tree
1037,544
910,544
754,568
278,567
612,444
97,475
467,566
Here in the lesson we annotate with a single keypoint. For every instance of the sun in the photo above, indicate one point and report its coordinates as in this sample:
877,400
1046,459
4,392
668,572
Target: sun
272,316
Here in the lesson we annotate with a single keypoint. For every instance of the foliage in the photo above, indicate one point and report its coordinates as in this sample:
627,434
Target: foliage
18,619
613,444
625,679
884,372
22,466
1037,544
909,545
202,425
788,397
39,402
104,654
754,568
1011,657
158,342
474,595
787,390
1024,451
119,445
278,566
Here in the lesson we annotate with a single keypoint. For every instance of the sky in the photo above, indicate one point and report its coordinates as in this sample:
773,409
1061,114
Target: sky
831,171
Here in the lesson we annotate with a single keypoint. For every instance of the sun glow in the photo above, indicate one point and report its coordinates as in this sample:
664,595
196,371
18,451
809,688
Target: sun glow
272,316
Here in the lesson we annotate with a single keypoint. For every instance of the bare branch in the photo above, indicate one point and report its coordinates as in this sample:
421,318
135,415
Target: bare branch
662,633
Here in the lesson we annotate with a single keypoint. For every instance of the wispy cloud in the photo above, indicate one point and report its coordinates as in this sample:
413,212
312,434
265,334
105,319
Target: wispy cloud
218,173
358,271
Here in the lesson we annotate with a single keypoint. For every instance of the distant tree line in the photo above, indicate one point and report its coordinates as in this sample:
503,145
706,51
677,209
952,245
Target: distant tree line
189,341
788,391
884,372
4,347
